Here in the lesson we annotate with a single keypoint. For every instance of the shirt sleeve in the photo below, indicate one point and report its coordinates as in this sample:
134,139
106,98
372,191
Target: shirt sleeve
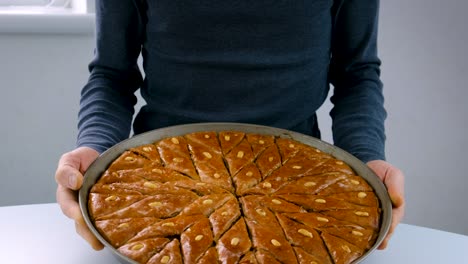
358,111
107,100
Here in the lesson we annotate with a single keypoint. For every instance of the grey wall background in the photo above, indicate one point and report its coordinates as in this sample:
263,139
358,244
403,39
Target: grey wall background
422,45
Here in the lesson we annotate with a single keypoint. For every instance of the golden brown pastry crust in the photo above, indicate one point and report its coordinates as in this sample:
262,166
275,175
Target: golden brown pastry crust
234,197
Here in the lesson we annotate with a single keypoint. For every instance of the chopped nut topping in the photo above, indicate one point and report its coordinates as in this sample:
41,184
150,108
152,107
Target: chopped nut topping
147,149
208,201
235,241
362,195
360,213
322,201
322,219
157,171
207,155
123,225
305,232
178,160
275,243
346,248
111,198
150,185
260,212
355,182
137,246
275,201
165,259
263,210
357,233
155,204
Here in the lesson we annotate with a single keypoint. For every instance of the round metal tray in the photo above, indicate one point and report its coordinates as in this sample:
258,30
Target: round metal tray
105,159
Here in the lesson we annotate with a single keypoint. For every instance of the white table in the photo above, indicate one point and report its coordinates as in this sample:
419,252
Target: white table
41,234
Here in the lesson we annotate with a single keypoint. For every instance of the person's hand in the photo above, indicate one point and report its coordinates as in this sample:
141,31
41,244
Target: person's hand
394,180
69,177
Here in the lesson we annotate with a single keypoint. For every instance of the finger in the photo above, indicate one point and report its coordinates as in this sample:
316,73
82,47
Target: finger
68,173
87,156
384,243
394,181
391,230
69,177
83,230
67,199
397,199
397,215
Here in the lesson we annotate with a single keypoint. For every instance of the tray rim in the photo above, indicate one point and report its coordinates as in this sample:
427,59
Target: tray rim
96,169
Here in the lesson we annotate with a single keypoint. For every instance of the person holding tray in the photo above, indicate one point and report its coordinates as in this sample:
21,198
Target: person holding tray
264,62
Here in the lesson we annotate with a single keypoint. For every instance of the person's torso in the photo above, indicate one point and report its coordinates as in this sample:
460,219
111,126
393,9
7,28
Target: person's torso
263,62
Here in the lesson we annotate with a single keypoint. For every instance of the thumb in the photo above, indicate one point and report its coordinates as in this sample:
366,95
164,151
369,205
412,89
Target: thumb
392,178
87,156
72,165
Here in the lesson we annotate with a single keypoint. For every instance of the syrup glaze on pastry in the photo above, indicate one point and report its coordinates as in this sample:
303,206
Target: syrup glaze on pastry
232,197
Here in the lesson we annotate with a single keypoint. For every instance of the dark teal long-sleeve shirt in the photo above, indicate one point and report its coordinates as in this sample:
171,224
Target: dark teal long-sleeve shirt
268,62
